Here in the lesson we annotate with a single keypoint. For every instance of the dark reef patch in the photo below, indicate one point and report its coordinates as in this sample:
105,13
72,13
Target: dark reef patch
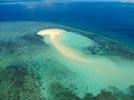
8,46
18,83
17,45
106,46
33,39
59,92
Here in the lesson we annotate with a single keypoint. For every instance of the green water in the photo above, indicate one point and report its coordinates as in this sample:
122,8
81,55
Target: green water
42,65
100,72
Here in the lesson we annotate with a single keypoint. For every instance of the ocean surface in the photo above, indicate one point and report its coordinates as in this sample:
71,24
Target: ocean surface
76,50
115,20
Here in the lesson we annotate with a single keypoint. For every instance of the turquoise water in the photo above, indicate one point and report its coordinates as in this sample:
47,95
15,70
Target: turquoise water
92,68
69,64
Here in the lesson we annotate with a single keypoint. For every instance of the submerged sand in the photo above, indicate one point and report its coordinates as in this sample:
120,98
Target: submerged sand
98,72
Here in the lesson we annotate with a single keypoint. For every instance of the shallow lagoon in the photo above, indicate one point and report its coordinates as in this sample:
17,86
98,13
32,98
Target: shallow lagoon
41,64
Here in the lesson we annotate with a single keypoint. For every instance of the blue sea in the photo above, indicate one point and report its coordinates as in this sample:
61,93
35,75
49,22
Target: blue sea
66,50
115,20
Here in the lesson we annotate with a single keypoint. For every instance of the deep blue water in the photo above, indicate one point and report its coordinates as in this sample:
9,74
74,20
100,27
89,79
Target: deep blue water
115,20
